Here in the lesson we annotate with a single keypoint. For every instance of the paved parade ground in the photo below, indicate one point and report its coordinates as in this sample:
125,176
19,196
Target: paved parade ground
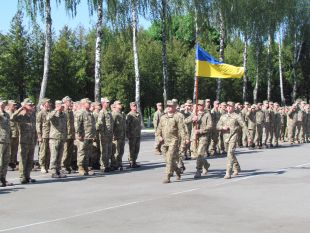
271,194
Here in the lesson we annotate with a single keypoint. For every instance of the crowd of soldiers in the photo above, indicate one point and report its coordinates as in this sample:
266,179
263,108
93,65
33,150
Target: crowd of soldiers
73,137
187,131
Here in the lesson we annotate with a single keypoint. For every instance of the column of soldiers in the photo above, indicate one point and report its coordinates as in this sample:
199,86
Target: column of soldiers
73,137
223,128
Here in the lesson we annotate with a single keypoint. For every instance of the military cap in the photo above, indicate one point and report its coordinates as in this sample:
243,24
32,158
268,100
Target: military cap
171,103
223,103
270,102
85,100
27,101
208,100
259,104
265,102
58,102
189,102
44,100
117,102
2,101
66,98
246,103
105,99
175,101
200,102
12,102
230,103
95,103
133,103
159,103
253,106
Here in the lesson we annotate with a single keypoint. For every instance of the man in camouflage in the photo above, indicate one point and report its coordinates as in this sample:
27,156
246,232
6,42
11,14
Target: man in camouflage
105,129
95,158
5,140
229,124
171,132
11,108
188,112
133,133
276,124
57,138
244,111
260,121
156,118
292,117
26,120
43,129
216,115
250,118
85,130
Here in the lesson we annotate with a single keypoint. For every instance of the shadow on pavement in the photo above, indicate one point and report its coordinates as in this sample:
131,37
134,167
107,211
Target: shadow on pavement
11,189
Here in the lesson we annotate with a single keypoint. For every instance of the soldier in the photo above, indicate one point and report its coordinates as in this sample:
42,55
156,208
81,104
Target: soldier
188,108
216,115
11,108
244,111
292,117
57,138
283,123
276,124
43,129
201,128
223,111
300,122
307,133
238,109
5,140
68,162
208,105
119,130
271,129
171,131
85,130
105,128
26,121
133,133
156,118
260,121
95,159
229,124
250,118
267,123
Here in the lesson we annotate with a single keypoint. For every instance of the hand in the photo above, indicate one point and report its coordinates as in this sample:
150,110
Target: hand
225,128
186,141
161,139
195,118
197,131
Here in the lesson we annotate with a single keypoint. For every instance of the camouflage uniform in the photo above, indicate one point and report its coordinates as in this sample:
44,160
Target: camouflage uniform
68,159
260,121
307,125
292,117
171,129
234,122
14,142
105,129
156,118
85,129
267,126
186,115
283,124
119,135
133,133
214,146
244,134
27,141
300,125
57,136
276,127
5,147
250,118
95,158
43,128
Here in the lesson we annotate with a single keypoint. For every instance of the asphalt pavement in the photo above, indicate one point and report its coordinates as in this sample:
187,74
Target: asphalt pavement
271,195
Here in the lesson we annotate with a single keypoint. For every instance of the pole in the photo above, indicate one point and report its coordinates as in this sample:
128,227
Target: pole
196,108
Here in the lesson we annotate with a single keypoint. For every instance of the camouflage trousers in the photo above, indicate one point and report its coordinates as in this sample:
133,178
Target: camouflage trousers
44,153
259,135
232,162
252,133
157,144
291,132
25,156
282,132
134,148
14,150
5,150
299,133
118,151
57,148
84,151
276,134
199,152
245,137
67,157
214,145
106,159
267,133
171,152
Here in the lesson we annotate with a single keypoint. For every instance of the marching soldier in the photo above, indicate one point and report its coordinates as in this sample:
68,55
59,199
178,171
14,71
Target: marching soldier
188,107
216,115
292,118
95,159
43,129
260,121
276,124
244,111
57,138
156,118
11,108
229,124
250,118
5,140
26,121
171,132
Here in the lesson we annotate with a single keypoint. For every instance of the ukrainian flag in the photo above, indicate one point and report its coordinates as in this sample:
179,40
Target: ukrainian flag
208,66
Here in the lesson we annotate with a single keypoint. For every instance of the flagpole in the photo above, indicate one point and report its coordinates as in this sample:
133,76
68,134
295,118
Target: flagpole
196,108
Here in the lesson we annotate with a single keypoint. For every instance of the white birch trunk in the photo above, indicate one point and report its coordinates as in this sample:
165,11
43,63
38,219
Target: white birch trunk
255,91
99,36
136,57
280,70
269,67
245,62
47,50
297,51
222,44
164,50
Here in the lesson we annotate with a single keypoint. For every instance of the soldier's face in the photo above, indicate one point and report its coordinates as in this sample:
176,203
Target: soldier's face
171,108
87,106
230,109
216,104
159,107
133,107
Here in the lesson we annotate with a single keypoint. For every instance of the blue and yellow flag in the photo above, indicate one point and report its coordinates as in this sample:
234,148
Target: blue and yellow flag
208,66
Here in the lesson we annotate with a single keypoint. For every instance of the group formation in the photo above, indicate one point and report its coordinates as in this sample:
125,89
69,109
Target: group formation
73,137
188,131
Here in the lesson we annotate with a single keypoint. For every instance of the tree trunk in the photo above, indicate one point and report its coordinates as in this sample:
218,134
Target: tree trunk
255,91
222,44
47,50
297,50
280,70
164,50
99,35
245,62
136,58
269,67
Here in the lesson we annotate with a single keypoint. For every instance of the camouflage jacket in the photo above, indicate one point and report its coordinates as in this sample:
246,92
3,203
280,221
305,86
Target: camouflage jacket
58,125
42,125
260,117
105,124
204,125
70,124
133,125
156,118
119,119
14,128
85,125
5,129
250,118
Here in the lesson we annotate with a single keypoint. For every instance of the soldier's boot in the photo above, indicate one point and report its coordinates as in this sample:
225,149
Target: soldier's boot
167,179
157,151
24,181
55,175
4,183
178,174
197,174
82,171
30,180
206,168
227,175
43,170
235,173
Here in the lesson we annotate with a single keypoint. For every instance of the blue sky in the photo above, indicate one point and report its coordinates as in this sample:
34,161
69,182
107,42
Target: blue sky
60,18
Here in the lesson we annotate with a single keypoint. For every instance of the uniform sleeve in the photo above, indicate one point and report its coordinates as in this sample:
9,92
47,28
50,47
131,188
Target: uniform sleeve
219,125
39,124
155,120
128,124
159,129
79,125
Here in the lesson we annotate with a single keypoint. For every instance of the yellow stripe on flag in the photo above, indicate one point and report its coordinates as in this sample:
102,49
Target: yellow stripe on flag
206,69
